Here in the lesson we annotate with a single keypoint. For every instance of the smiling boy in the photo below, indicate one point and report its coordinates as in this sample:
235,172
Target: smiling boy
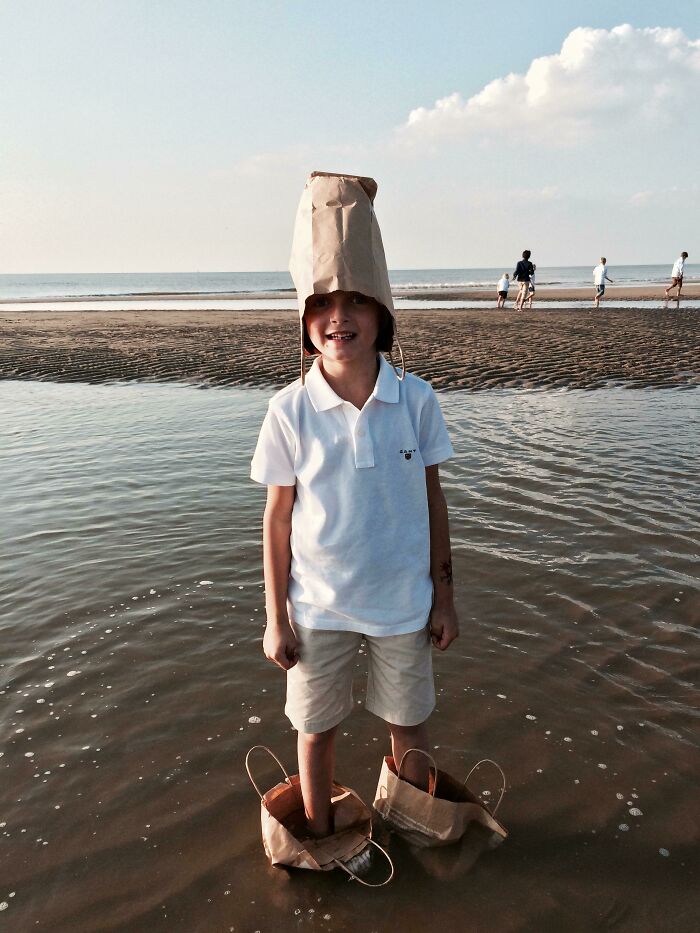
355,531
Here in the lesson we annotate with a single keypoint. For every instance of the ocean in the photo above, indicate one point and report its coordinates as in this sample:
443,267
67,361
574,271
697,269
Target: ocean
201,284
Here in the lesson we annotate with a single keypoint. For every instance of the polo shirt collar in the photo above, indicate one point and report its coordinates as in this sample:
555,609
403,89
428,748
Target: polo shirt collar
386,388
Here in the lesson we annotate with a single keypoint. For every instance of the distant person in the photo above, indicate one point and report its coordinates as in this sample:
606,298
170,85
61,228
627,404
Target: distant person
531,286
600,276
523,271
677,275
502,290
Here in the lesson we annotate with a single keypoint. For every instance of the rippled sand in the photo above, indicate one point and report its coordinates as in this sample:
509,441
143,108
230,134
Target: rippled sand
474,349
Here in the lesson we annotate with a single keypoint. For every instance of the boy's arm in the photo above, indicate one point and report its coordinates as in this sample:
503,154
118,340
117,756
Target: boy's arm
279,643
444,626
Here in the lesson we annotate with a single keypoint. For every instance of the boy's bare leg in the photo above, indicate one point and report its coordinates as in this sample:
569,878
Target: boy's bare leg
316,753
415,768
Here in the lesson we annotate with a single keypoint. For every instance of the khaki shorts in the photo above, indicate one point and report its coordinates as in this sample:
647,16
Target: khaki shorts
400,686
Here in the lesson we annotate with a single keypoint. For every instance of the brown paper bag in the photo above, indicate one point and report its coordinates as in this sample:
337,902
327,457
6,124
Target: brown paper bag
439,816
337,246
283,827
337,243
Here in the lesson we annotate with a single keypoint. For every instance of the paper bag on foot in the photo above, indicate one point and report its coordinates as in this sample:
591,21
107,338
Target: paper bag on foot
283,825
439,816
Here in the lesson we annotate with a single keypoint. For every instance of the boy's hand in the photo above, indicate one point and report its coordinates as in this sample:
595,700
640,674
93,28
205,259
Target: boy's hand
280,645
444,626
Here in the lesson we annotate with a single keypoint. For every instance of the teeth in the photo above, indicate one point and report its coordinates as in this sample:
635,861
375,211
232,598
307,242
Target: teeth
341,336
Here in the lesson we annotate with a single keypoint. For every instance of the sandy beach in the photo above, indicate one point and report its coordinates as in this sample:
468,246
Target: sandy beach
613,293
616,293
454,349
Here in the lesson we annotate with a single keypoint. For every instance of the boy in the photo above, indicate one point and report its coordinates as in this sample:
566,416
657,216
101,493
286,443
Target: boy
355,532
600,275
677,275
523,270
502,290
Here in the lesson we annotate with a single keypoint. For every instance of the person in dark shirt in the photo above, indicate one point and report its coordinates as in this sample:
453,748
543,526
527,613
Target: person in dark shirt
523,271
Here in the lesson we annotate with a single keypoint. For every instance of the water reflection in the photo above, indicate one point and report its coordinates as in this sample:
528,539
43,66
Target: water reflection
133,681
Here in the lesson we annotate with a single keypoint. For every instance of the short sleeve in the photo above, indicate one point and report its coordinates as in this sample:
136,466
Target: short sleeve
273,460
433,439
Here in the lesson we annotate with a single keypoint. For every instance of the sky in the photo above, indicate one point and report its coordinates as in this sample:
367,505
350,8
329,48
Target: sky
176,135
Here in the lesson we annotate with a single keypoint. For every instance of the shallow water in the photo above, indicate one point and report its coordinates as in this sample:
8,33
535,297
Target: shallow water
290,304
132,679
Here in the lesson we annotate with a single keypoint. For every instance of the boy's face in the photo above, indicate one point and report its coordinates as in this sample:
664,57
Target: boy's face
343,326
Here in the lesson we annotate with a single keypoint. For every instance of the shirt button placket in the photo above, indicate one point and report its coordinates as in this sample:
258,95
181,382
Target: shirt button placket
364,455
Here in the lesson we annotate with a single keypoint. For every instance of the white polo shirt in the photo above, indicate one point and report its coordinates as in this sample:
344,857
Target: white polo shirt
360,529
678,265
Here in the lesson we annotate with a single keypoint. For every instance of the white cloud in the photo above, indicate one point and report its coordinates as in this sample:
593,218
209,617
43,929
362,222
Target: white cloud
621,79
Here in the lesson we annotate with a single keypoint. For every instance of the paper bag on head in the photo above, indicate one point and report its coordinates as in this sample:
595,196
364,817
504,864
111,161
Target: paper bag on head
441,815
337,244
283,824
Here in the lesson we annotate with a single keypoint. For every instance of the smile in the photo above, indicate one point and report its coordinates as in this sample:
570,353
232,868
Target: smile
340,335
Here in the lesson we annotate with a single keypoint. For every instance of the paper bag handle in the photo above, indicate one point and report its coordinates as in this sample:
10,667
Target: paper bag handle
496,765
430,759
367,884
269,752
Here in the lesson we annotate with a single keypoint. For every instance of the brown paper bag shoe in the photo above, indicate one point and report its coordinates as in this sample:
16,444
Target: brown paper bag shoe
439,816
283,824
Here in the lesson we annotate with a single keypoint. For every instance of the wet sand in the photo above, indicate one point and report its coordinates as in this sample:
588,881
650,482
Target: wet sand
617,293
473,349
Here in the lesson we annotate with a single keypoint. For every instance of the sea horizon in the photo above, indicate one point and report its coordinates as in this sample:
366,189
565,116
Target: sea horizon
66,285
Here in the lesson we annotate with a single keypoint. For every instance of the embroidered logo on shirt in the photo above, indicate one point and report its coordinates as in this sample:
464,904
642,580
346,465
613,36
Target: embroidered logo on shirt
408,453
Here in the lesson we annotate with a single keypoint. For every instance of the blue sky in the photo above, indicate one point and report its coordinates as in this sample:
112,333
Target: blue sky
167,136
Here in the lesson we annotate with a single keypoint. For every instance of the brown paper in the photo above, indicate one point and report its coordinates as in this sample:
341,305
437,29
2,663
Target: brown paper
437,817
337,244
283,824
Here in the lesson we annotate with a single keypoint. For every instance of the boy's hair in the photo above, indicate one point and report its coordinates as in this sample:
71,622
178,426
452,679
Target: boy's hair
385,334
603,259
526,254
684,254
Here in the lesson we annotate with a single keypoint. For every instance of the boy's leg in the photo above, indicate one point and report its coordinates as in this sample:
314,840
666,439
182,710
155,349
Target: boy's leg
319,697
401,687
316,753
415,768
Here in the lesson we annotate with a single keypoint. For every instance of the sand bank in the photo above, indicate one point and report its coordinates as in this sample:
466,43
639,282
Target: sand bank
616,293
474,349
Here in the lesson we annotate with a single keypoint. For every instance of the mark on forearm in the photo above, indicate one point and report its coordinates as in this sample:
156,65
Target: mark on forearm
446,572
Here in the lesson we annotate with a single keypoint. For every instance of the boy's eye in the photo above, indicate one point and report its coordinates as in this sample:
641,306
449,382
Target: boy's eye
319,301
359,299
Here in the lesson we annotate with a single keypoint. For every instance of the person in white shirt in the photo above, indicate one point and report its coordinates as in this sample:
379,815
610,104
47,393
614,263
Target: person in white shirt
677,275
355,533
600,276
502,290
531,287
